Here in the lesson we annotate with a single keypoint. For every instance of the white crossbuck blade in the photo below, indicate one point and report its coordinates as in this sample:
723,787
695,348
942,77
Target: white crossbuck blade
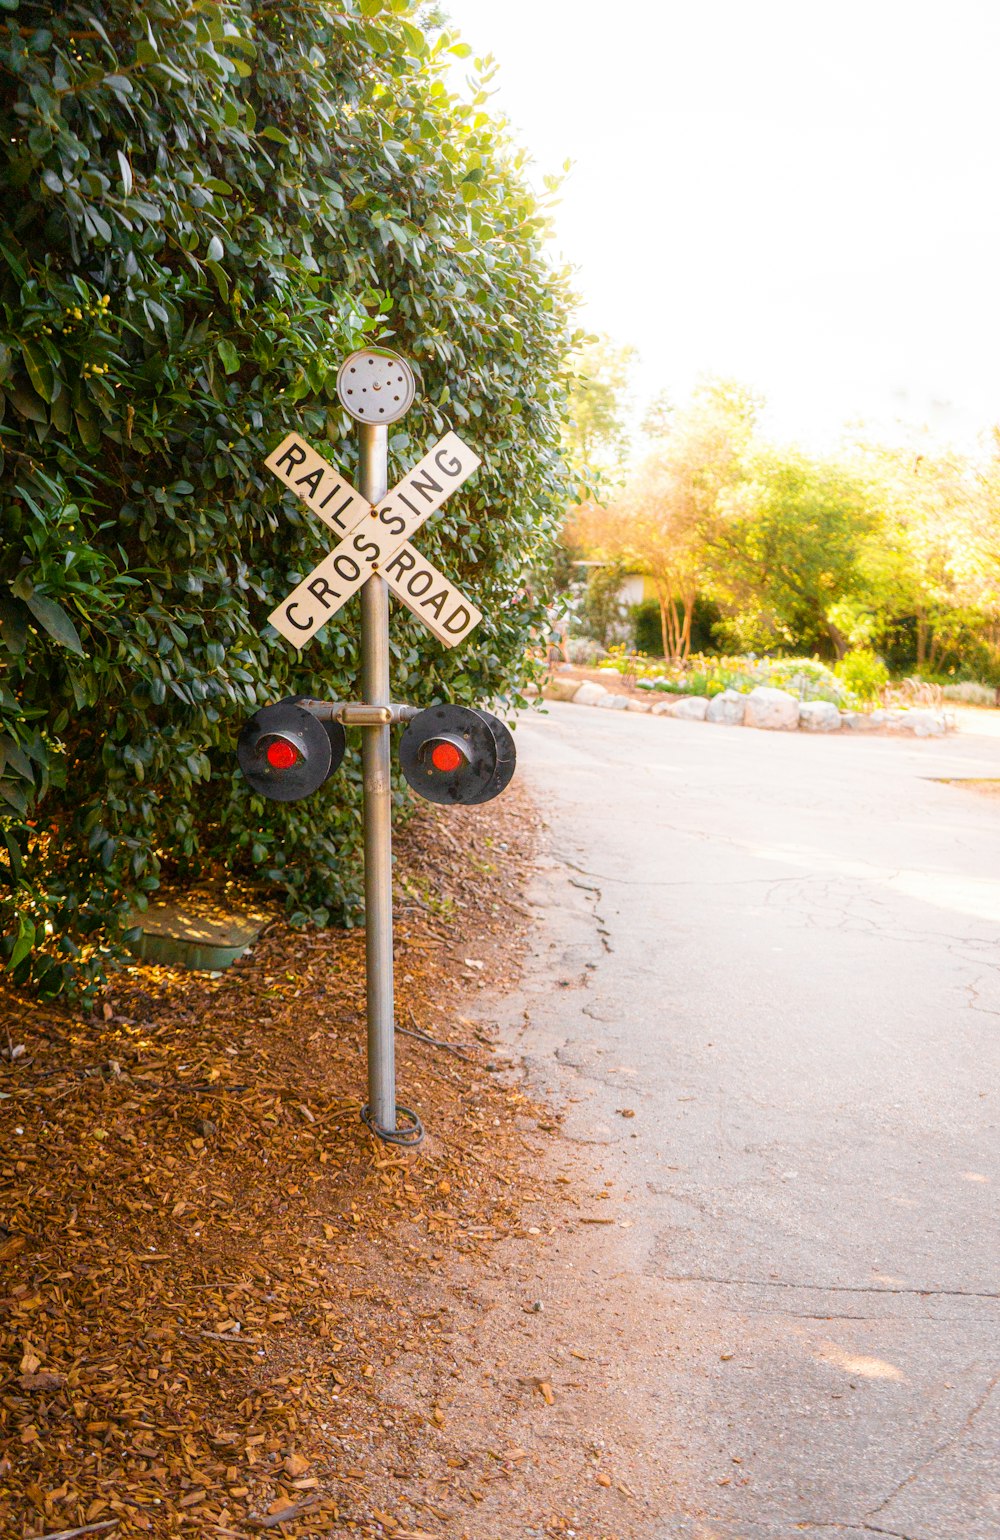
375,540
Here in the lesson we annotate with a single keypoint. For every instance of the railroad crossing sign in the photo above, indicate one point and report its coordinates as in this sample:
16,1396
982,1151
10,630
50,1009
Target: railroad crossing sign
448,754
374,540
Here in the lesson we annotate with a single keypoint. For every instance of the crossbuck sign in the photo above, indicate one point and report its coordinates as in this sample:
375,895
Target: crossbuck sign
375,540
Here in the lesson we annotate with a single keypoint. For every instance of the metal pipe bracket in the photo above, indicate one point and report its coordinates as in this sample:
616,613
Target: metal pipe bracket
358,713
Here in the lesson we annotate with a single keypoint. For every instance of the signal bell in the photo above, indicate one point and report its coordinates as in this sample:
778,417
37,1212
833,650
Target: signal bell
285,753
453,754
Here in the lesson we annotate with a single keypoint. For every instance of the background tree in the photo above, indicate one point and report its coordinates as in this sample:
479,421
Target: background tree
664,522
787,552
206,204
596,431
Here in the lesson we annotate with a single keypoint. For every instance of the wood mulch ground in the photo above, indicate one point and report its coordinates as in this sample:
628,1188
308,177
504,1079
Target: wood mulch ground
226,1308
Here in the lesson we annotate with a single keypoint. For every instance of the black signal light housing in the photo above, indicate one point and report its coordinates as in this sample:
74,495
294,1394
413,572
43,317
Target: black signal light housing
285,753
452,754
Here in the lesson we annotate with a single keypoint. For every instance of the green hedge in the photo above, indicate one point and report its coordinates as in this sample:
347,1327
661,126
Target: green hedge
207,204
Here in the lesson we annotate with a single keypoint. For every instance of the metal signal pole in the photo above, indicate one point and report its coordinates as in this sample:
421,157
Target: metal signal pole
376,768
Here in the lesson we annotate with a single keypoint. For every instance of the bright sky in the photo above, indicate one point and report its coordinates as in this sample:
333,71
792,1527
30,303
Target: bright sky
799,194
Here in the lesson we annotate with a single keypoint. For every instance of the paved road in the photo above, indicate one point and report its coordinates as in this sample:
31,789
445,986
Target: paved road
782,953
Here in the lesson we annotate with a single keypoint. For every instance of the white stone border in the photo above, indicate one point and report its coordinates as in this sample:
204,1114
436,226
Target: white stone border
764,707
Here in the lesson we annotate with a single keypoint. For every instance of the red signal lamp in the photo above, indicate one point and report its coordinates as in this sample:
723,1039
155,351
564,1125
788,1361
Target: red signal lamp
445,756
445,753
281,754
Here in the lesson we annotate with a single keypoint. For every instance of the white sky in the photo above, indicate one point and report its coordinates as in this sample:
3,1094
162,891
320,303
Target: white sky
799,194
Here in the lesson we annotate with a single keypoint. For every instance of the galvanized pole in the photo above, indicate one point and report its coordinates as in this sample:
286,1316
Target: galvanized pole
376,769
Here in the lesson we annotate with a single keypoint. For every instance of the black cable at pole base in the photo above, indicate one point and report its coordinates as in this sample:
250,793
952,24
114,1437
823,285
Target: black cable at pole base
410,1137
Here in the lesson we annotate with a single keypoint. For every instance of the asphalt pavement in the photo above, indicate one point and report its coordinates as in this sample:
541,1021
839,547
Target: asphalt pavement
765,987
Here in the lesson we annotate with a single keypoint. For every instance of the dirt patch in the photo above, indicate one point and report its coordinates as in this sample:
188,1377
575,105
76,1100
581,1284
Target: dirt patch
986,786
227,1309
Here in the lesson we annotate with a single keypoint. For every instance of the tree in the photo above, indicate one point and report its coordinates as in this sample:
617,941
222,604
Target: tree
658,418
788,550
596,433
663,523
207,203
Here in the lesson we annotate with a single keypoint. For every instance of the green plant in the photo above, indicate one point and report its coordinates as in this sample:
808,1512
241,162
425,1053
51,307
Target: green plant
863,673
206,204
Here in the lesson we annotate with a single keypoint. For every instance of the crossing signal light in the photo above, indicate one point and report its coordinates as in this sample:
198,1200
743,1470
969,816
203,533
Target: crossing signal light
453,754
446,756
285,753
281,754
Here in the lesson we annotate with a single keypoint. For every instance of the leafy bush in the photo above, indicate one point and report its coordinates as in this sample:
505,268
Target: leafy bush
585,653
646,628
207,203
864,674
807,678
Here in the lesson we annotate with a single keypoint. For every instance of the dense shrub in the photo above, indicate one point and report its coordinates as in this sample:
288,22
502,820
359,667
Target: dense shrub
863,673
648,629
207,204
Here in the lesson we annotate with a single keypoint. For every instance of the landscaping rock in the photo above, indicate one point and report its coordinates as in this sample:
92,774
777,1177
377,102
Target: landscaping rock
692,709
729,707
589,693
925,724
609,668
612,702
819,716
640,705
663,708
862,721
771,708
560,689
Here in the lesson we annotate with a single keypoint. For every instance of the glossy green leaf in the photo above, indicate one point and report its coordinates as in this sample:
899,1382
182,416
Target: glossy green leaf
23,943
56,622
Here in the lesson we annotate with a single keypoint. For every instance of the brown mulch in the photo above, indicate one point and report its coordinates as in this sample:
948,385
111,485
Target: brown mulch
208,1265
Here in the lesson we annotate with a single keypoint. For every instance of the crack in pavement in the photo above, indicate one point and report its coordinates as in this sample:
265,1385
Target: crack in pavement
684,882
940,1449
972,1004
858,1528
825,1288
599,921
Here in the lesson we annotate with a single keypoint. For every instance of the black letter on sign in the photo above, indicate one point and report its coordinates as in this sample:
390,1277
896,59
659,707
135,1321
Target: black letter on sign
335,515
403,562
312,481
425,580
447,470
435,603
352,569
463,617
319,588
425,487
295,455
296,623
394,522
368,550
